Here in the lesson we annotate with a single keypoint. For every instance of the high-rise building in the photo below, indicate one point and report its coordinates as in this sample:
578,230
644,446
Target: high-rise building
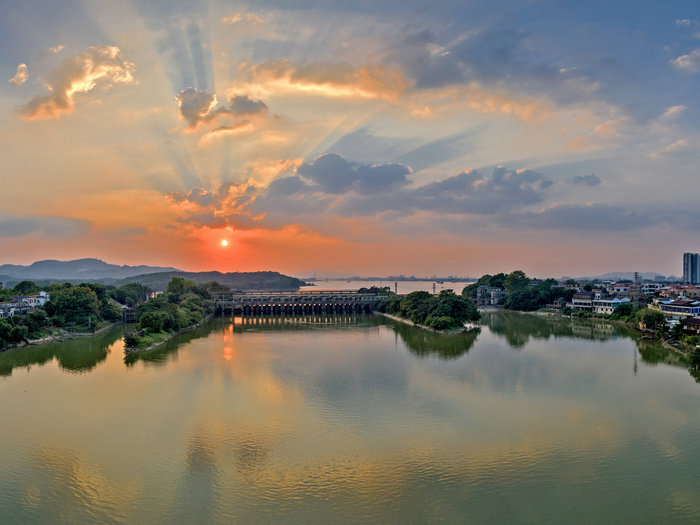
691,268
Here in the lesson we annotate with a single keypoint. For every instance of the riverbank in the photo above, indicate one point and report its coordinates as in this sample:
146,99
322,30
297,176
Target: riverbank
422,326
632,326
59,336
133,349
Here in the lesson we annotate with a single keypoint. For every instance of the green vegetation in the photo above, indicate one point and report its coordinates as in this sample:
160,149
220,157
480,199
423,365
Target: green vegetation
440,312
78,308
495,281
522,293
385,290
653,319
248,281
184,304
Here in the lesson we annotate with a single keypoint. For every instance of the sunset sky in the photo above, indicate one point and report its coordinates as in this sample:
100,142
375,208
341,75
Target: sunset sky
368,137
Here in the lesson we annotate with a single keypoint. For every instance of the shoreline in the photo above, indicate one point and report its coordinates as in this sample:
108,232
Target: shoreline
134,350
427,328
632,326
60,337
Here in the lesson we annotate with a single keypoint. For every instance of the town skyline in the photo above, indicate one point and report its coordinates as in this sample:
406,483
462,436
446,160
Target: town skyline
553,137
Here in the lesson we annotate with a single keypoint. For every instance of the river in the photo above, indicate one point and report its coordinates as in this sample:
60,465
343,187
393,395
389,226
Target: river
352,419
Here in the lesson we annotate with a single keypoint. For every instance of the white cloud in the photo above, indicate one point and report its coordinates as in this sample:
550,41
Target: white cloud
689,62
21,76
672,112
79,74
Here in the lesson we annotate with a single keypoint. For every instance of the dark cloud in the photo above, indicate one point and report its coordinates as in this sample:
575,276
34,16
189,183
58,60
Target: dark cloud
195,105
586,180
474,192
335,175
200,106
43,225
331,185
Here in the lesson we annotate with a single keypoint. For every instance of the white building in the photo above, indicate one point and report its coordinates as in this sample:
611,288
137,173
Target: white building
32,301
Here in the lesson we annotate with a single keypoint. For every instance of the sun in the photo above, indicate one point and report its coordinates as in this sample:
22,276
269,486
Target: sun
224,243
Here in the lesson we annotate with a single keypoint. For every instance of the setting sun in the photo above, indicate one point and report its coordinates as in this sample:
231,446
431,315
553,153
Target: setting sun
224,243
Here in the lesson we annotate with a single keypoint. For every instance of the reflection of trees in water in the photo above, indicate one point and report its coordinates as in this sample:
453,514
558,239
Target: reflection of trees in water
424,343
159,355
76,355
519,328
654,353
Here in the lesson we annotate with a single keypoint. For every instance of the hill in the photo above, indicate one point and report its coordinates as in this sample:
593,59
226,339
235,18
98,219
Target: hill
79,269
48,272
247,281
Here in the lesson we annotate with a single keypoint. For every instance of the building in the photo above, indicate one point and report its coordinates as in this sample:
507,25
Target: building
489,295
681,308
596,302
691,268
582,301
31,301
691,325
603,304
8,310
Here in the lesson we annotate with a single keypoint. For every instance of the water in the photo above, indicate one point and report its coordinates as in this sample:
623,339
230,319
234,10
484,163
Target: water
403,287
352,419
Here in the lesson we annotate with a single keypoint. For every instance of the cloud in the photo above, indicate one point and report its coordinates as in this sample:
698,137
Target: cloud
335,175
43,225
586,180
195,105
592,216
242,18
56,50
332,187
672,112
684,22
199,107
690,63
330,79
680,145
20,77
473,192
79,74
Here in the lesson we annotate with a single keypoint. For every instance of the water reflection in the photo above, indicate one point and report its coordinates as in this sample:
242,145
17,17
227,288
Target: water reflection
158,355
63,488
519,328
198,493
76,355
423,343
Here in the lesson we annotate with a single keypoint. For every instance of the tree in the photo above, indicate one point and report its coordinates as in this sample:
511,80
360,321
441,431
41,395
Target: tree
517,280
695,359
178,286
75,305
25,288
653,319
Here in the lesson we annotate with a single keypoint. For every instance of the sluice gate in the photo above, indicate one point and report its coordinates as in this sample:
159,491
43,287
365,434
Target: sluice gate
295,303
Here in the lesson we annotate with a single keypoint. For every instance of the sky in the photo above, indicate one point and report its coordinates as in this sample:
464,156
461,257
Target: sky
365,138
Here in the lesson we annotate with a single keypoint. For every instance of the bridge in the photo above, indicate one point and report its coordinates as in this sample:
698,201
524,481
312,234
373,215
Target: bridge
290,303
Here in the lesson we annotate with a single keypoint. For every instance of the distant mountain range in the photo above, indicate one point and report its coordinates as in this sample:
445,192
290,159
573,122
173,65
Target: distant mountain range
87,269
155,277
